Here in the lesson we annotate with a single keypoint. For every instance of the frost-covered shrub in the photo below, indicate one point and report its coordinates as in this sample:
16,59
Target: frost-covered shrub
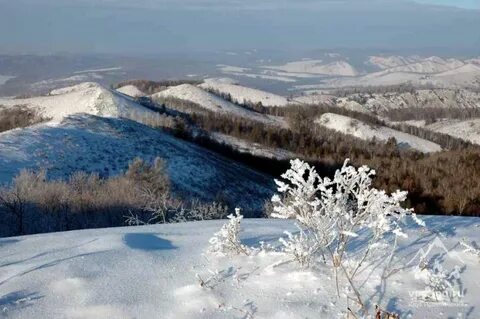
300,246
227,240
336,213
197,210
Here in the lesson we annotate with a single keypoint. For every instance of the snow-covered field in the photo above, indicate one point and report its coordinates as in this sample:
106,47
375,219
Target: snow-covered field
87,97
155,272
241,93
364,131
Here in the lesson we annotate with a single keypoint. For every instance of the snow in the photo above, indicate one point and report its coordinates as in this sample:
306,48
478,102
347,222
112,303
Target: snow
437,98
130,90
253,148
87,97
337,68
107,145
415,64
394,70
390,61
214,103
468,130
241,93
467,75
315,99
153,271
364,131
429,65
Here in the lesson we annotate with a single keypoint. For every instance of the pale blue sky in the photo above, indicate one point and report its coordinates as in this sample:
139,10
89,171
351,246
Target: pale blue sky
153,26
468,4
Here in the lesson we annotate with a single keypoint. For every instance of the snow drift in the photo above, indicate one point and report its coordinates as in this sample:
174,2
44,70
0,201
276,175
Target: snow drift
152,272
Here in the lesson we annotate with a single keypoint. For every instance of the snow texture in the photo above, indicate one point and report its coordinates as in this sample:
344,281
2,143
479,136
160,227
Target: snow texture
154,271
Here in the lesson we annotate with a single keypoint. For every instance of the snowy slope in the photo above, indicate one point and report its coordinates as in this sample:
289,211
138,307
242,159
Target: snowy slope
214,103
468,130
315,99
107,145
150,272
359,129
441,98
429,65
415,64
254,148
87,97
452,74
131,90
381,102
388,62
241,93
467,75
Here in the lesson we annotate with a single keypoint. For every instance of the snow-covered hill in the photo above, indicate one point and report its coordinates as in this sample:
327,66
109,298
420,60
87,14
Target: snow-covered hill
393,70
468,130
87,97
153,272
241,93
364,131
415,64
131,90
214,103
107,145
254,148
441,98
387,62
429,65
381,102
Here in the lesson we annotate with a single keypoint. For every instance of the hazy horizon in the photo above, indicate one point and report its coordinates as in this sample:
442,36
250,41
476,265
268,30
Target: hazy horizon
127,27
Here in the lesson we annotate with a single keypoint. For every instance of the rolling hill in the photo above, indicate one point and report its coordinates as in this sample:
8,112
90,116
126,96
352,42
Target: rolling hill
214,103
107,145
242,93
364,131
89,97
